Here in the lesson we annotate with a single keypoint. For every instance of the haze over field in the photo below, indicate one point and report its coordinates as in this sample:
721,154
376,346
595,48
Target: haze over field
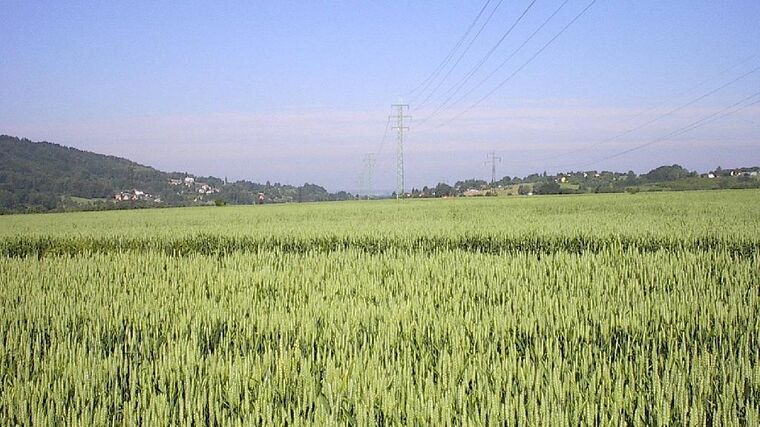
300,91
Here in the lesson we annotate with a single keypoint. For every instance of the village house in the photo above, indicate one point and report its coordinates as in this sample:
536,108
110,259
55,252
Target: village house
205,188
133,195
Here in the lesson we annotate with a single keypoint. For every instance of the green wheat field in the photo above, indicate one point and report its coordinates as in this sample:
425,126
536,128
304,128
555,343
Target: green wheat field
624,309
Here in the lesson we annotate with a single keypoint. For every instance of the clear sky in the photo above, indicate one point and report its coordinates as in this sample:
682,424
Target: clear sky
296,91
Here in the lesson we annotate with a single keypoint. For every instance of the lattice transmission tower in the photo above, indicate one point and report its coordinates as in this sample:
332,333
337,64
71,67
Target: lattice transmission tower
493,160
369,161
400,128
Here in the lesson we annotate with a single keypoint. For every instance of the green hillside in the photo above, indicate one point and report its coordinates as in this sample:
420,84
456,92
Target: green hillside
39,176
42,176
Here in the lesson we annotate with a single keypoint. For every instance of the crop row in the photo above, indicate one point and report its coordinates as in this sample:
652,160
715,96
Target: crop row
225,245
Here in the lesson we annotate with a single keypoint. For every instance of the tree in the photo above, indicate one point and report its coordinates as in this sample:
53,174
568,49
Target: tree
666,173
465,185
443,189
550,187
631,178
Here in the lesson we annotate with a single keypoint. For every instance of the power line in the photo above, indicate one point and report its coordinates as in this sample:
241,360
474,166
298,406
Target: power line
458,86
688,128
385,135
511,76
425,83
696,86
658,118
374,156
503,63
464,52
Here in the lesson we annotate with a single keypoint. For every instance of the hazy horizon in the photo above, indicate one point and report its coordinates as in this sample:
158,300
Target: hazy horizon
300,92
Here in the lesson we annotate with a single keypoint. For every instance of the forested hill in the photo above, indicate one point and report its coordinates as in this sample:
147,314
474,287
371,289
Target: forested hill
38,174
41,176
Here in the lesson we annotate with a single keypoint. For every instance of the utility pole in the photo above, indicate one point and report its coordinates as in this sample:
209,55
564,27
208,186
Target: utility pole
493,159
369,160
400,128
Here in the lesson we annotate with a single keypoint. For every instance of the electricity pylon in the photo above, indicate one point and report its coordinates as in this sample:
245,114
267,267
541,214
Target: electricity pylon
493,159
400,128
369,161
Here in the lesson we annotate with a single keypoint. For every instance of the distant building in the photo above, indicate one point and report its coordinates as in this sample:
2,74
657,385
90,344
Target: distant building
133,195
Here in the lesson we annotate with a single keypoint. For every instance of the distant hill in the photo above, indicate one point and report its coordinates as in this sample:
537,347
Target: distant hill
37,175
42,176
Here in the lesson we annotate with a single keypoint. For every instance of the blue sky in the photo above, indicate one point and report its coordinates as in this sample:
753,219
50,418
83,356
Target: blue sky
296,91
